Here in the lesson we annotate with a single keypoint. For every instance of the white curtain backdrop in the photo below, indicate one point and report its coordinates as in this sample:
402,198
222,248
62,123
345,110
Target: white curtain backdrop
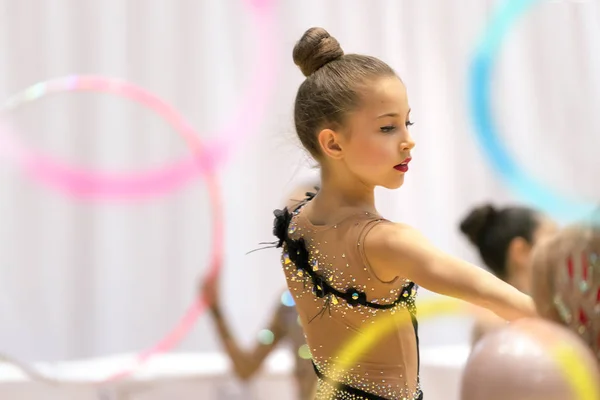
83,279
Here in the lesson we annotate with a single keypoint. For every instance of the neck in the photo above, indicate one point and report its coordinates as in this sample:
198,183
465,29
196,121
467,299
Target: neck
340,190
519,281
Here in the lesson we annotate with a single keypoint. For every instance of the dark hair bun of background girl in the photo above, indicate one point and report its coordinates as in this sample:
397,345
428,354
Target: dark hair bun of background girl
475,224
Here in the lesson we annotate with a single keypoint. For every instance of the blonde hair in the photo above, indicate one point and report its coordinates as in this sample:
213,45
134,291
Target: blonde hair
566,281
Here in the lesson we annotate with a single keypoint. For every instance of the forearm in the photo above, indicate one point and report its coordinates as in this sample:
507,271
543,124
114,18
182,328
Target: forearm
503,299
241,360
519,306
464,281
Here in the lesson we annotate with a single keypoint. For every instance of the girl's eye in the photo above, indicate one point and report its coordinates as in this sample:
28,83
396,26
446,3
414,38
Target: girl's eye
388,128
409,123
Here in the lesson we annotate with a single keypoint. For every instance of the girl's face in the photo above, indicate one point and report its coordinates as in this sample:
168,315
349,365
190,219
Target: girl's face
375,142
519,257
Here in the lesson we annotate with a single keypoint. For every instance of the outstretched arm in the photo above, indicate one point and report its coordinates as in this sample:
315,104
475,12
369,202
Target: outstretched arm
398,250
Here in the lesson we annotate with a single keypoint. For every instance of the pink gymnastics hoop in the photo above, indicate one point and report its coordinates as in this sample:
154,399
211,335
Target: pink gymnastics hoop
104,185
97,185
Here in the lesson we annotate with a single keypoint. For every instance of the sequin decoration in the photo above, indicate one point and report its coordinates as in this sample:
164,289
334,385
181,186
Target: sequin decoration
332,281
563,310
583,284
577,295
315,264
266,337
583,321
326,390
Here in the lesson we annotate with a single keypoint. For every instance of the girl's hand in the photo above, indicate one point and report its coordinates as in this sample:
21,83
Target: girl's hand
209,291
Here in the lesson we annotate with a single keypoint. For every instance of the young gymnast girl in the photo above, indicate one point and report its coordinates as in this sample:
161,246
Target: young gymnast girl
346,265
504,238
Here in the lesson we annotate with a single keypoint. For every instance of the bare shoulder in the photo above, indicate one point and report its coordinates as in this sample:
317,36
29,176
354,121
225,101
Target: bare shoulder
393,248
390,239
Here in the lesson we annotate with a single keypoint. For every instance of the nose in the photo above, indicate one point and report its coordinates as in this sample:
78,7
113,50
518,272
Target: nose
407,143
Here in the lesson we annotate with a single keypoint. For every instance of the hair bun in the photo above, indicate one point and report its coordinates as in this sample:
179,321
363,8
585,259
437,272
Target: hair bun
477,221
315,49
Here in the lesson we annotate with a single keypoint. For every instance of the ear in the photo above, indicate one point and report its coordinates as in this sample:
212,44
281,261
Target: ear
329,140
518,251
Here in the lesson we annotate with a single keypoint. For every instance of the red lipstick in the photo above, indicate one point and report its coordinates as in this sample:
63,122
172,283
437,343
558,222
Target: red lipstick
403,166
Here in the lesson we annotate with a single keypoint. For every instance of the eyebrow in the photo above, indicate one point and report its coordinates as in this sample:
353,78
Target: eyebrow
392,114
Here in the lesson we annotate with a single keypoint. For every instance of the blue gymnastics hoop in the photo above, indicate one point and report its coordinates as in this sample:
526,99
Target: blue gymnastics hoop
563,208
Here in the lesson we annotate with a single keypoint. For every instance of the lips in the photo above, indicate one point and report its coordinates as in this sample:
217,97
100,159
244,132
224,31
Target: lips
403,166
